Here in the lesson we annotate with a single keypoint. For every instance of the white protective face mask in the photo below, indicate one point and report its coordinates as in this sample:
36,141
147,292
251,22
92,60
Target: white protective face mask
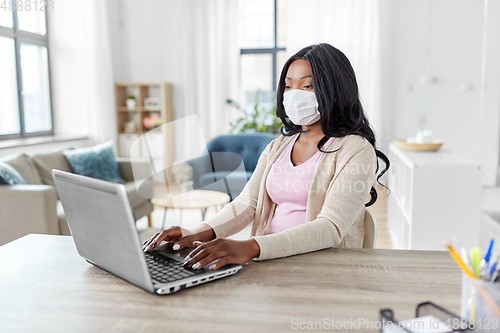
301,106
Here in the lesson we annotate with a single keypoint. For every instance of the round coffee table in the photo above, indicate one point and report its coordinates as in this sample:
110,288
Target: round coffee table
197,199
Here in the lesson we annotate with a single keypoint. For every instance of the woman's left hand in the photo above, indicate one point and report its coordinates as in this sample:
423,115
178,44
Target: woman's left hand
227,250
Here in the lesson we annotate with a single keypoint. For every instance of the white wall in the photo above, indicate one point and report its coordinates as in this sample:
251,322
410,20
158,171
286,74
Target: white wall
444,40
490,99
146,41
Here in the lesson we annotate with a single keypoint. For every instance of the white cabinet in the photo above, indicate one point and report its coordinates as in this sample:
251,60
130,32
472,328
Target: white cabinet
151,145
148,147
154,142
490,229
434,196
126,147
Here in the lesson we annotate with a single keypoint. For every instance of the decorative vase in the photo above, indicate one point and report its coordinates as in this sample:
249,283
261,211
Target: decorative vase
424,135
131,104
130,127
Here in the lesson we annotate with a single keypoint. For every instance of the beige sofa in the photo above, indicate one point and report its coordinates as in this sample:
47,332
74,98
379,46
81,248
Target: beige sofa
35,207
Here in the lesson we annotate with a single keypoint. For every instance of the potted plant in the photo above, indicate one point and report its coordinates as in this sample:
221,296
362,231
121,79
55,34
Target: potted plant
260,120
131,102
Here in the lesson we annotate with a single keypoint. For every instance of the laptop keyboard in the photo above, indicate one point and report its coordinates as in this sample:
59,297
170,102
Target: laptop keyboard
166,270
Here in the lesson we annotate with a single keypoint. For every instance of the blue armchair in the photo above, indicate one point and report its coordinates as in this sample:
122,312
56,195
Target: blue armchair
230,162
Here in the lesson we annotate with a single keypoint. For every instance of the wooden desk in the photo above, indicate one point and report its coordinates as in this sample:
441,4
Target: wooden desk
45,286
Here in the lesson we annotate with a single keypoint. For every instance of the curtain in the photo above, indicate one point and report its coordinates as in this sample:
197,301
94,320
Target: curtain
352,27
209,71
81,70
98,67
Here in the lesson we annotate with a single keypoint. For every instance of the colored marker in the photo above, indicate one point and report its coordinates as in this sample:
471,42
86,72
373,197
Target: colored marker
475,260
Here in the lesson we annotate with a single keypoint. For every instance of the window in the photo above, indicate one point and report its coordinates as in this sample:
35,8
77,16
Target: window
262,38
25,103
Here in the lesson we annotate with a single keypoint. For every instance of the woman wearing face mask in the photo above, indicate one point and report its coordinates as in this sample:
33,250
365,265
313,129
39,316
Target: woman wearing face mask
311,184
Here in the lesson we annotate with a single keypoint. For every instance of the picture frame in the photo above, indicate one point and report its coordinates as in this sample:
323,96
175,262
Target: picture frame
152,104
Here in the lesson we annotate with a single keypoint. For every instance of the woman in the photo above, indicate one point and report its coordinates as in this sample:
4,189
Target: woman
309,188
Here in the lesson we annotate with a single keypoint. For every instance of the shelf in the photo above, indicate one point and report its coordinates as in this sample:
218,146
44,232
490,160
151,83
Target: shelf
431,158
137,109
141,132
136,84
401,207
398,226
164,140
435,196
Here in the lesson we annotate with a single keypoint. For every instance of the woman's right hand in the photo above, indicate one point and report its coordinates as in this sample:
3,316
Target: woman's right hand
174,234
180,237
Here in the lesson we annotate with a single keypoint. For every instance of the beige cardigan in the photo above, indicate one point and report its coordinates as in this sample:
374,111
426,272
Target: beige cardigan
335,205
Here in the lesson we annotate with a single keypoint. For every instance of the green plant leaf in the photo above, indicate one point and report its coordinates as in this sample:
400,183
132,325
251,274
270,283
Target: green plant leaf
257,120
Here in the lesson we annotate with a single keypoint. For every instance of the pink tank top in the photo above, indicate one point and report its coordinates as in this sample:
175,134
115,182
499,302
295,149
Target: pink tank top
288,186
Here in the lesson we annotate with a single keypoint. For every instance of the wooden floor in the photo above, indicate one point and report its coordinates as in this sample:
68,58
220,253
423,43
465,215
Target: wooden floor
378,209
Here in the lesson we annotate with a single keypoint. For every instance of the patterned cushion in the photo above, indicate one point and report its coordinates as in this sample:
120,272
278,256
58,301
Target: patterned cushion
9,175
96,162
25,167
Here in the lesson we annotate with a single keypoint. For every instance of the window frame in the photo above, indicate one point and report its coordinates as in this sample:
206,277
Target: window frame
272,50
19,37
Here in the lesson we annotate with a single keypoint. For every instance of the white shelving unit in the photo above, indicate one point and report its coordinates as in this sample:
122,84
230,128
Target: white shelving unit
434,196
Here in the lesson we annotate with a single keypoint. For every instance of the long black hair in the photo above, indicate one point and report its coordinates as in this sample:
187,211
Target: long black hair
336,90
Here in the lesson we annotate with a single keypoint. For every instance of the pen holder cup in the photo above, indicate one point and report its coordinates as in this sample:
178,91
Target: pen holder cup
480,303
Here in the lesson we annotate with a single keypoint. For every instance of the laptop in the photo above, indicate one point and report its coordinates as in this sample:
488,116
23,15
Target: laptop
102,224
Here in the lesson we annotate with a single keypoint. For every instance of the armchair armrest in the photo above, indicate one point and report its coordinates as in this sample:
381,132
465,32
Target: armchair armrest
201,165
26,209
126,171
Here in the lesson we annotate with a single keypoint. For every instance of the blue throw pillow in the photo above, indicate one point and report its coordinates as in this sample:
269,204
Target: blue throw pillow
95,162
9,175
